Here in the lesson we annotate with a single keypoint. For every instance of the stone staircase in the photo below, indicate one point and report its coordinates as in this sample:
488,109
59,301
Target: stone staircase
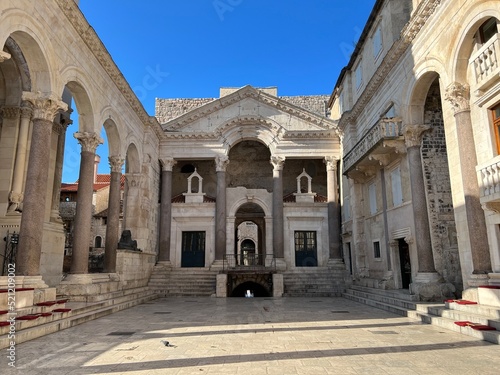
313,282
440,314
51,318
168,282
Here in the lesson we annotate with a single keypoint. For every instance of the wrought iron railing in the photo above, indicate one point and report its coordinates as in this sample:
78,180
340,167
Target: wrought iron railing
247,262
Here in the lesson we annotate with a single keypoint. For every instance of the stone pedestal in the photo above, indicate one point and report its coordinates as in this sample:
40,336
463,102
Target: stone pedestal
278,285
429,287
221,286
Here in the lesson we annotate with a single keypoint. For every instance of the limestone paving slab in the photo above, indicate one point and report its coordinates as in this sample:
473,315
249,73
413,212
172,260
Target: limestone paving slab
254,336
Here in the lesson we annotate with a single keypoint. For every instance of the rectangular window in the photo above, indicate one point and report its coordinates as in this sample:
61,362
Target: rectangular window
347,209
305,249
496,125
193,241
358,76
377,42
397,195
372,194
376,250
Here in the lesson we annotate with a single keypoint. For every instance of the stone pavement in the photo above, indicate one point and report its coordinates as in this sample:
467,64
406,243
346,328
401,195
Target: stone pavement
254,336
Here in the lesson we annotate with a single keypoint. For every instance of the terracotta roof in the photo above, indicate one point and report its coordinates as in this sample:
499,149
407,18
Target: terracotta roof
182,199
102,181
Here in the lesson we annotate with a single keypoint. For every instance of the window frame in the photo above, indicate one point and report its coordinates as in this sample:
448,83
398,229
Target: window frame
377,253
495,118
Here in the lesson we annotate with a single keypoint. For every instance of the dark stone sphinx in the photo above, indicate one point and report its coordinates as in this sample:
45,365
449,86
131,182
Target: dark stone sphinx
126,241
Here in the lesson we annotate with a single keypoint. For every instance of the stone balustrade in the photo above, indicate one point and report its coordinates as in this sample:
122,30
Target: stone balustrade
387,128
485,64
489,177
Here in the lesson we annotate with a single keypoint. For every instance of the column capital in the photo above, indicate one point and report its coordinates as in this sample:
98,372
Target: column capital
88,141
458,95
45,106
221,163
331,163
116,163
11,112
167,164
4,56
26,110
413,134
278,162
133,179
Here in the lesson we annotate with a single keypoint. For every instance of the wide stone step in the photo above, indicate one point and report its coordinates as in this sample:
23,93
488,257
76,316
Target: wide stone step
80,313
388,300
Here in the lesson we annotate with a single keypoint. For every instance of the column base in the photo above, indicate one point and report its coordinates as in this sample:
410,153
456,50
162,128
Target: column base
280,264
278,285
221,285
430,287
91,287
217,265
335,264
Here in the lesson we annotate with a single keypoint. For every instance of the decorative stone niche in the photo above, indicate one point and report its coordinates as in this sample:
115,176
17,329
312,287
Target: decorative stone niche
197,196
301,197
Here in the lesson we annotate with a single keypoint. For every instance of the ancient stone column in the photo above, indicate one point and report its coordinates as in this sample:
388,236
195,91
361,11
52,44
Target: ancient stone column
83,217
113,223
221,163
278,163
413,140
45,108
166,209
335,252
459,97
16,193
132,201
60,127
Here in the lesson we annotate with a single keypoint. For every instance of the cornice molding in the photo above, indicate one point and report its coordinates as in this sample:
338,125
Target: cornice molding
423,12
249,92
94,43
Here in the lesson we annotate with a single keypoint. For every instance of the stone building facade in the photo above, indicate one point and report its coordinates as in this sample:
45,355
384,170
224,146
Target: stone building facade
413,121
417,104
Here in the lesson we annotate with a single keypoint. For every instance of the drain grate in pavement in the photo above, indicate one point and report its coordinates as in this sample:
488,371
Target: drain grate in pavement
384,332
340,312
162,312
121,333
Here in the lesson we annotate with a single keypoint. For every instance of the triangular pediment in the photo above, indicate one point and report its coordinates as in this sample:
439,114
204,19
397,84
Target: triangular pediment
249,106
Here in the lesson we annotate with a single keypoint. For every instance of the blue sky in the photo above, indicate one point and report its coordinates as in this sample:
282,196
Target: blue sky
191,48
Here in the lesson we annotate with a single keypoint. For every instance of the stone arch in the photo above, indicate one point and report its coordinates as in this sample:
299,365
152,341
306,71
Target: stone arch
417,96
113,136
83,105
472,20
15,75
257,128
260,284
35,45
255,200
132,159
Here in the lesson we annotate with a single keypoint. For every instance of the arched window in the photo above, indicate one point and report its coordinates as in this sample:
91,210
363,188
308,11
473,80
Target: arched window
98,241
487,30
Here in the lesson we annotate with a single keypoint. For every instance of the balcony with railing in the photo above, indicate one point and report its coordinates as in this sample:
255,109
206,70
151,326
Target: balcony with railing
247,262
489,180
485,64
382,141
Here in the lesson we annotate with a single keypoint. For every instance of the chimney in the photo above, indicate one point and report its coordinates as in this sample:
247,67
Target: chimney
96,164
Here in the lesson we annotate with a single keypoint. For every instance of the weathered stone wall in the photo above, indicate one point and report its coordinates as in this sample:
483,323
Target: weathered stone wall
205,168
313,103
168,109
438,186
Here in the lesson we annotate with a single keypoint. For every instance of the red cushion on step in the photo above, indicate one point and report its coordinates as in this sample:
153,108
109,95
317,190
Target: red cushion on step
465,302
482,327
463,323
61,310
2,312
27,317
4,324
489,286
45,314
